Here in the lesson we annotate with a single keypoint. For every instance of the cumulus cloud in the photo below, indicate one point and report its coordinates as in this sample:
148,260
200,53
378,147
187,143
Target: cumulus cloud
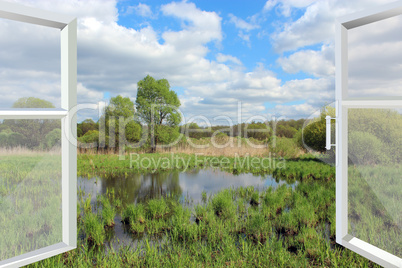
317,24
375,59
295,111
202,28
317,63
114,58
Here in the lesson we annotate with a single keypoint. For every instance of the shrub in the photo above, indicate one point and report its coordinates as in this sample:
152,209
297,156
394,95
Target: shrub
286,147
314,133
366,149
53,138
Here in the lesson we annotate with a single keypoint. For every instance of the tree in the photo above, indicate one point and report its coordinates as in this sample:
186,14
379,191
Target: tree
35,130
9,139
32,102
157,105
121,109
257,130
85,126
374,136
89,139
53,138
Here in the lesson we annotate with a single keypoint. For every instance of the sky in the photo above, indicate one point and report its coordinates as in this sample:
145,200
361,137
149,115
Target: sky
271,58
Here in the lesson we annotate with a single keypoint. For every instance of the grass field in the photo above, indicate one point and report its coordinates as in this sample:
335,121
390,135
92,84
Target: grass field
242,227
375,211
233,228
30,202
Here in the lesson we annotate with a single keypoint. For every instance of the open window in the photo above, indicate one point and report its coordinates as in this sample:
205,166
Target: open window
38,194
369,134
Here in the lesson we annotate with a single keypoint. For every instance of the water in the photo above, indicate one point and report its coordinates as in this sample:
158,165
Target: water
188,186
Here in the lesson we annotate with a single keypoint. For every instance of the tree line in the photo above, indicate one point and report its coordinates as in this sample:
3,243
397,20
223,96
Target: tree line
153,119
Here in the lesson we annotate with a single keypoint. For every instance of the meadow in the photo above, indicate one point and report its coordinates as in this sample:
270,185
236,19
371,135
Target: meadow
375,212
30,202
239,227
243,227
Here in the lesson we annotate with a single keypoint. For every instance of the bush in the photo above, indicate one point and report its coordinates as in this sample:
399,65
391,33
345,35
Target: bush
286,147
133,132
10,139
314,133
166,134
385,125
53,138
366,149
259,131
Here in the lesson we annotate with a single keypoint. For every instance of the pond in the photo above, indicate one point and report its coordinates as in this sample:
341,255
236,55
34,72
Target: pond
188,186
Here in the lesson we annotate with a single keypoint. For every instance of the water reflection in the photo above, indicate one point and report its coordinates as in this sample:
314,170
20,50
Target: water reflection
140,187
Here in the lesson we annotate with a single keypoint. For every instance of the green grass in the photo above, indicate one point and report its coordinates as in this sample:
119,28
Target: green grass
306,168
30,203
288,228
235,227
93,228
375,213
108,212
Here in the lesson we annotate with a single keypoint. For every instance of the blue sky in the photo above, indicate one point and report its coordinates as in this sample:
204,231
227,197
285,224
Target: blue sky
275,57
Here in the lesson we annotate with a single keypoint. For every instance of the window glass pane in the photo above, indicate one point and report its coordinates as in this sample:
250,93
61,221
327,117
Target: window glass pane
375,59
374,177
30,186
29,64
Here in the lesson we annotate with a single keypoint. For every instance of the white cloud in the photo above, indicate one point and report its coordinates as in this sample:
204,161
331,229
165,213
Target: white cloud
317,24
242,24
114,58
318,63
375,60
202,28
285,6
142,10
245,38
225,58
295,111
105,10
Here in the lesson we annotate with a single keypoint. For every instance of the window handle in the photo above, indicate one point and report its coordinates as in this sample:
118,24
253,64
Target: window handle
328,134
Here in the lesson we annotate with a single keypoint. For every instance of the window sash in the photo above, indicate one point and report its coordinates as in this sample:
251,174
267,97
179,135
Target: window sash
68,33
343,103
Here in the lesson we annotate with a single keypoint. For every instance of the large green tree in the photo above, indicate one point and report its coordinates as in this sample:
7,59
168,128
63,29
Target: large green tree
121,111
157,105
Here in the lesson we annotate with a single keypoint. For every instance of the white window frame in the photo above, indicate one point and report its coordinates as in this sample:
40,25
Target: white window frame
344,24
68,45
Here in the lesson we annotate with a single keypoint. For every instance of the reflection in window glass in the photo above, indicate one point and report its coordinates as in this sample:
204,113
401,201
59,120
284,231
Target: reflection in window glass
30,186
29,63
375,59
374,177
